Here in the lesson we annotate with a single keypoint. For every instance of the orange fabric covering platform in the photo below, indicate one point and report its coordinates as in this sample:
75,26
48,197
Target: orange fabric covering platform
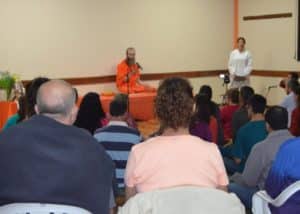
141,105
7,109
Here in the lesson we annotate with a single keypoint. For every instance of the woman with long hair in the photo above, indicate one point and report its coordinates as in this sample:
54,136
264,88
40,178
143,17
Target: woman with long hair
90,114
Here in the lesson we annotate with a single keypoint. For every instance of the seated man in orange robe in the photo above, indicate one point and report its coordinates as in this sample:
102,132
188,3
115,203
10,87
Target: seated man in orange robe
128,75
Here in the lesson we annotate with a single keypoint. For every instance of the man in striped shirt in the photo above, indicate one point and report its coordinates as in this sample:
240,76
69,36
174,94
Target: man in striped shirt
118,138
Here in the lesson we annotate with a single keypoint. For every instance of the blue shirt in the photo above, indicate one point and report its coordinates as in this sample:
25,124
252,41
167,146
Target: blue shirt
13,120
284,172
117,138
249,135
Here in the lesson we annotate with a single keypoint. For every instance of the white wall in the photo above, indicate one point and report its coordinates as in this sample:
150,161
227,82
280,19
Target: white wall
272,41
73,38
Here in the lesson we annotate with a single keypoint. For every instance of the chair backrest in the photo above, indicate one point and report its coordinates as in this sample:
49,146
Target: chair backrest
261,199
37,208
191,200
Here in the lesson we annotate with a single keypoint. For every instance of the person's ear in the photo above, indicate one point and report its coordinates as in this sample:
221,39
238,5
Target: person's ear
36,109
74,113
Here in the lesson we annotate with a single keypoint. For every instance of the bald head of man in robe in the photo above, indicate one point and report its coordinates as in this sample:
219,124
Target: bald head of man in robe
56,99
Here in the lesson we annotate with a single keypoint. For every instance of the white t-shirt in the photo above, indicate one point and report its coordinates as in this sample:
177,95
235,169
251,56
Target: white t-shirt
240,63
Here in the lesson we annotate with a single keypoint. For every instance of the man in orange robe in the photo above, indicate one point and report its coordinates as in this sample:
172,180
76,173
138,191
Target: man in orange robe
128,75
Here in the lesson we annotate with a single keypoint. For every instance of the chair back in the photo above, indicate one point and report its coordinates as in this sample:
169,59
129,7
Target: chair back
180,200
37,208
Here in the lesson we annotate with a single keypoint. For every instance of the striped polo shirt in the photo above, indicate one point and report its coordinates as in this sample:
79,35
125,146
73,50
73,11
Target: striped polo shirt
117,138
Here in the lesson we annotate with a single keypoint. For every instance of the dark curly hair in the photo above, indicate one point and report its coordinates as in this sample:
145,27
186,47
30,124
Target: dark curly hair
174,103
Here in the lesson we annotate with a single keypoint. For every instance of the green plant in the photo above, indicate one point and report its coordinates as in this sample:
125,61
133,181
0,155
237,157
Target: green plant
7,83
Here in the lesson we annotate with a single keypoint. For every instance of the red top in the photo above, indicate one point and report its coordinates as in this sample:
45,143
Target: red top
295,124
226,118
213,126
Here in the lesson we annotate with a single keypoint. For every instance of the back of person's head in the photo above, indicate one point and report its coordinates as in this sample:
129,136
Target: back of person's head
297,93
206,89
292,85
31,94
22,108
118,108
121,97
257,104
90,113
56,99
203,111
174,103
277,118
233,96
246,93
294,76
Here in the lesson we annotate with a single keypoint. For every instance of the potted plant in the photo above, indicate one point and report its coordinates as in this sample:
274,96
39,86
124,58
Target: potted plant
7,82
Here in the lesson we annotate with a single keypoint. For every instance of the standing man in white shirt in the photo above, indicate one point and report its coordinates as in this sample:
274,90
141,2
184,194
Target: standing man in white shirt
240,65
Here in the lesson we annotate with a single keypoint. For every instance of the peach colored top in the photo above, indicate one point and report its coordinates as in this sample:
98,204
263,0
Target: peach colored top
168,161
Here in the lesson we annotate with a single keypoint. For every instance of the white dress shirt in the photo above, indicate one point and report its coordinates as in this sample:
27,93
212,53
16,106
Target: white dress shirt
240,63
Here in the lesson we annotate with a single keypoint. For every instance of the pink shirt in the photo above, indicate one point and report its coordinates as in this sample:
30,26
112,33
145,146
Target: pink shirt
168,161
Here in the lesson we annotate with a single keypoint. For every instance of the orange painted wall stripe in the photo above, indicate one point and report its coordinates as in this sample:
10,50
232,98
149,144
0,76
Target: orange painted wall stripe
235,22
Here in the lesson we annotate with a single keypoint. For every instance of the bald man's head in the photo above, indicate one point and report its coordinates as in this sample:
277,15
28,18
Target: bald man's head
56,98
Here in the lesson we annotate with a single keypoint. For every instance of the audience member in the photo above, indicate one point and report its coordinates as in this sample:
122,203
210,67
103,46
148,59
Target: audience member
200,123
26,103
31,93
215,110
91,115
19,117
284,172
118,138
47,160
289,101
261,157
250,134
295,121
175,158
232,97
291,76
241,117
128,118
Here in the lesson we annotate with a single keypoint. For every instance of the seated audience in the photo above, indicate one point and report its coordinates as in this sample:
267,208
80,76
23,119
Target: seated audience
19,117
291,76
90,114
232,97
284,172
241,117
202,119
31,93
175,158
27,103
128,118
47,160
261,157
215,110
118,138
295,121
289,101
250,134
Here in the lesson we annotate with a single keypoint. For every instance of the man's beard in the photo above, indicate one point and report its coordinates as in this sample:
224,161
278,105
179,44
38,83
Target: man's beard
130,61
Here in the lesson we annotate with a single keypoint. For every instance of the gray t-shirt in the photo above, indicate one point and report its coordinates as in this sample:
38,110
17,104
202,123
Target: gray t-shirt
260,160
